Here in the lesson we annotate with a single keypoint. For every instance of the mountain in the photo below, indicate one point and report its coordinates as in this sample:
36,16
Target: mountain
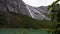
39,13
15,20
18,6
17,14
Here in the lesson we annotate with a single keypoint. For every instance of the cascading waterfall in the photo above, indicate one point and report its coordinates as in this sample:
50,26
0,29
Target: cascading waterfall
34,10
30,12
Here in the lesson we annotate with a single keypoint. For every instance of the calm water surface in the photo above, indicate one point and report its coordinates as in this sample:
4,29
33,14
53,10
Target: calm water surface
23,31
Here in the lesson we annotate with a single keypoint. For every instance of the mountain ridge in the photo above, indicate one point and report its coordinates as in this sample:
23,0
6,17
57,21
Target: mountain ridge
20,7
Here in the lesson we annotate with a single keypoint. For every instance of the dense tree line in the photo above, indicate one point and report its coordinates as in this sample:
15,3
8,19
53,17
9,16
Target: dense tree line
55,15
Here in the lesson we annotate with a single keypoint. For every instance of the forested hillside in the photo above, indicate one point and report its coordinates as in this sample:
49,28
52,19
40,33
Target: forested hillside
22,21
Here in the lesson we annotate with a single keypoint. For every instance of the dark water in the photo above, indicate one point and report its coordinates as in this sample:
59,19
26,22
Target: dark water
23,31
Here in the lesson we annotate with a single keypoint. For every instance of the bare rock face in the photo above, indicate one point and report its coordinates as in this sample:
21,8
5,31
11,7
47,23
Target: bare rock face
19,7
39,13
8,6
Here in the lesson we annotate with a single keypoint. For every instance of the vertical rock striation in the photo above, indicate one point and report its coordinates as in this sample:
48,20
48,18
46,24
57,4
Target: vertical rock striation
19,7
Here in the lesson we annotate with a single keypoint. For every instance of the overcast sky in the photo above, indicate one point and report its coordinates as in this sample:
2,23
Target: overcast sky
38,3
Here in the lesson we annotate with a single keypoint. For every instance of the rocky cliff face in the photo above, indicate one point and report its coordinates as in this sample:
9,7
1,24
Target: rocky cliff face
19,7
39,13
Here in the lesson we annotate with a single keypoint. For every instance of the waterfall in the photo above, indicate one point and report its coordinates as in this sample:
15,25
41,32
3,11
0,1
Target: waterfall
30,12
33,12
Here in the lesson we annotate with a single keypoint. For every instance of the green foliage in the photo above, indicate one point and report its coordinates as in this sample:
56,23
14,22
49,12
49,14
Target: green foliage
55,15
55,11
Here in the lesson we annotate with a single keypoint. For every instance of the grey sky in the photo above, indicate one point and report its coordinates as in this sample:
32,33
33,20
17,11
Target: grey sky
38,3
